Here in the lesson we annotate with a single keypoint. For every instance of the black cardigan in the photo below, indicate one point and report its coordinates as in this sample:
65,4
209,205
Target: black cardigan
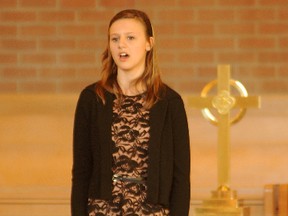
169,153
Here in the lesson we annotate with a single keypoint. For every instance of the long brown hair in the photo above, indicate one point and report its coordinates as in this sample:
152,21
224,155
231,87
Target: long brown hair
151,76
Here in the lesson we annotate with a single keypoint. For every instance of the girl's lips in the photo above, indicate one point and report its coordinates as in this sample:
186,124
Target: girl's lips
123,56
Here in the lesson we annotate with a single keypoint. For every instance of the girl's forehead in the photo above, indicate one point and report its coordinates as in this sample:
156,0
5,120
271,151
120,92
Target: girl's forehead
126,24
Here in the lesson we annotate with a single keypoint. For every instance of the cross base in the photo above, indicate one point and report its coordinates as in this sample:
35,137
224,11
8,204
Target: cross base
222,203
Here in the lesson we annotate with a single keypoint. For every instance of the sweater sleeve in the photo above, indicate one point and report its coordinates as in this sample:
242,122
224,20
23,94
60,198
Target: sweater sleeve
180,195
82,159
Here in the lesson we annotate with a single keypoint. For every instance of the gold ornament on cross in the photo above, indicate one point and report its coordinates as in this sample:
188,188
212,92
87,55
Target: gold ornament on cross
223,102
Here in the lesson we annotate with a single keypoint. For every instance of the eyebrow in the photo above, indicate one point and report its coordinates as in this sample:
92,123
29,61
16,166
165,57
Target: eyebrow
124,33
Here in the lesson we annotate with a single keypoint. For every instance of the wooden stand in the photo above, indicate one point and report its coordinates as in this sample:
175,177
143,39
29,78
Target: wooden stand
222,203
276,200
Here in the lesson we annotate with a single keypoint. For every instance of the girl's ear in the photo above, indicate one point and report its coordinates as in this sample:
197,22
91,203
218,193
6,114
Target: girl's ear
150,44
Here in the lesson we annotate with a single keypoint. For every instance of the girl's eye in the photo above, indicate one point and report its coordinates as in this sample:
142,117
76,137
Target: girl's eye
130,37
114,39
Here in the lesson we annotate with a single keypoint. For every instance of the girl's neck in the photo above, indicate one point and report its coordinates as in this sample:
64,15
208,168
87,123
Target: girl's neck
128,84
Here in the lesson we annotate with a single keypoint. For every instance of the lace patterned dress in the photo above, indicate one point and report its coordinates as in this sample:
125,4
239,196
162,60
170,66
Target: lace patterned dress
130,135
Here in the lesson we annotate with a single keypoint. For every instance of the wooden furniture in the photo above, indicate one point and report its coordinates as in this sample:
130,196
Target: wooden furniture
36,154
276,200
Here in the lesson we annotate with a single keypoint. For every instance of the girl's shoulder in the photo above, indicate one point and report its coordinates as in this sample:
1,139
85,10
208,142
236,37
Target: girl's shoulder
89,92
170,94
91,88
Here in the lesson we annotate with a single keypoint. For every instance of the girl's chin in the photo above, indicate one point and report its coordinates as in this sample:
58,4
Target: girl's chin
126,70
124,67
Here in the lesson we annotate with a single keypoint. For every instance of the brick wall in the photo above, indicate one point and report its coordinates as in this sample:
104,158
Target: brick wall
56,45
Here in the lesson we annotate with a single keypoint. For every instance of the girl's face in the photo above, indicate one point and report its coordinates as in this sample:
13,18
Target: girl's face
128,45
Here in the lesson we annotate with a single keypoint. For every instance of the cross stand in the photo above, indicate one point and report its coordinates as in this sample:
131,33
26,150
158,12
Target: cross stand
224,201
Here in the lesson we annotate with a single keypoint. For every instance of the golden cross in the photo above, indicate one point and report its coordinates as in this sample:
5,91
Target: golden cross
224,102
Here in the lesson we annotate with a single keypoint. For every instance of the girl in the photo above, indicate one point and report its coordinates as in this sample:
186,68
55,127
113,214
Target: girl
130,142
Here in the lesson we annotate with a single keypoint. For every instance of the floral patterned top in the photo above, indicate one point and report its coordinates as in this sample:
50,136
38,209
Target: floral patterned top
130,136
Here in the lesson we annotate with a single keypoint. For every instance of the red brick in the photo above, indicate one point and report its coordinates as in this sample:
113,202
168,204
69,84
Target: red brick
73,30
237,2
38,58
263,72
274,2
8,3
188,86
256,14
40,30
96,16
283,43
19,72
259,43
164,29
73,86
92,73
215,43
237,29
252,87
37,86
207,72
8,86
38,3
195,29
102,30
168,72
193,57
8,58
283,14
176,43
78,58
176,15
274,28
194,3
18,16
174,72
123,3
236,57
283,72
166,57
262,69
57,44
144,3
59,16
215,15
76,37
275,86
8,30
273,57
244,71
91,44
77,3
56,73
18,44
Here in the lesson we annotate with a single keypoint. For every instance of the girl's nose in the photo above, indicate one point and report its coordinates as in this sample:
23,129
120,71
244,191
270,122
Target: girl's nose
122,42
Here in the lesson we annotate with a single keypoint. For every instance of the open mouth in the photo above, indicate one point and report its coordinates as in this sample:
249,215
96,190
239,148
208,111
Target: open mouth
123,55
